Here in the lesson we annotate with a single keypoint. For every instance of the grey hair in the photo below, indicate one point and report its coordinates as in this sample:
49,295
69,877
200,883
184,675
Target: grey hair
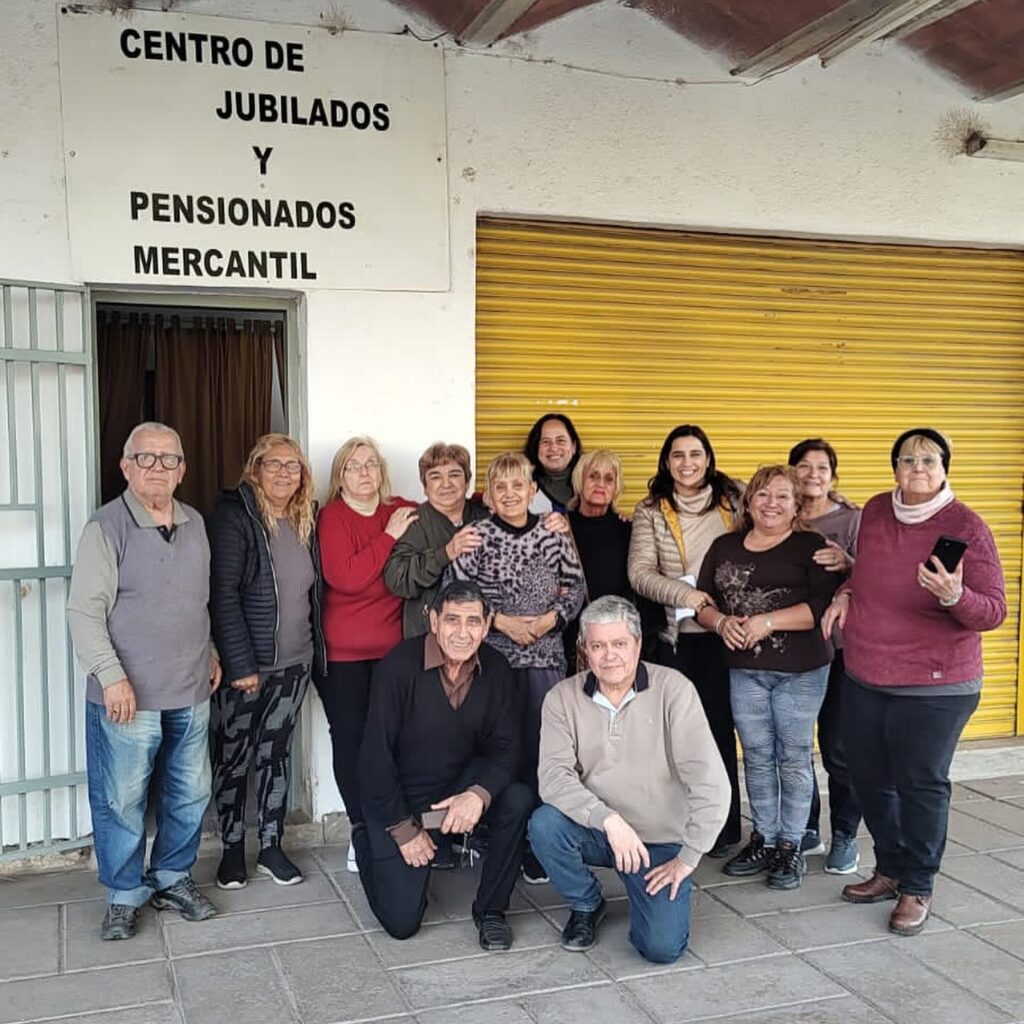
158,428
608,609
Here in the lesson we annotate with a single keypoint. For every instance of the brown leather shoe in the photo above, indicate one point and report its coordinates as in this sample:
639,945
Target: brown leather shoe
909,914
876,889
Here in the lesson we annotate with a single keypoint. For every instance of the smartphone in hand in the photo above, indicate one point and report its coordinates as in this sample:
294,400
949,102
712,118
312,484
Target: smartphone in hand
948,551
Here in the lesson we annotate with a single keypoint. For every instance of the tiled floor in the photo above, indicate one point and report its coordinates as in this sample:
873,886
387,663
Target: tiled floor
311,954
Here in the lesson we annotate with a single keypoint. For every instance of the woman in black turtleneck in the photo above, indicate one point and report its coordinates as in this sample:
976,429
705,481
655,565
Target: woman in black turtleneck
554,448
601,535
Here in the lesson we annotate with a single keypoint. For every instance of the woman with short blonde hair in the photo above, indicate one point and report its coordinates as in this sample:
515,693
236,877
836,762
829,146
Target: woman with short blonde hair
265,600
601,535
531,577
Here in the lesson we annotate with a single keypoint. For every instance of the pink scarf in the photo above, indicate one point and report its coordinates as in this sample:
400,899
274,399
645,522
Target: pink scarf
914,514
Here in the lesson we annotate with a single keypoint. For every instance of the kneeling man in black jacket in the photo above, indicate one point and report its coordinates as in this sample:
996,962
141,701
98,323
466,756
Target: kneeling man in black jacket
442,735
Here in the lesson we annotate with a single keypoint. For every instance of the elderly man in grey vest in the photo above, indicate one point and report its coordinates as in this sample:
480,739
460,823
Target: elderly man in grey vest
139,622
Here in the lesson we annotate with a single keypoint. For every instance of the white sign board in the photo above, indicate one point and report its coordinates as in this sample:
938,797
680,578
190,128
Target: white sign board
206,151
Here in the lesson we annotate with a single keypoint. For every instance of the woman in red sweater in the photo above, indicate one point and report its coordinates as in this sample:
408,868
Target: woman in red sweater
913,667
357,529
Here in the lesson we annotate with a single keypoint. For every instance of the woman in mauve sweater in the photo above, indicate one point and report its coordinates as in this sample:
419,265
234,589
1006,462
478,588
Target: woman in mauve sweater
913,667
362,619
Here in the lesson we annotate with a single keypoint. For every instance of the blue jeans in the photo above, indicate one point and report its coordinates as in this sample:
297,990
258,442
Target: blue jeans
659,928
171,748
774,714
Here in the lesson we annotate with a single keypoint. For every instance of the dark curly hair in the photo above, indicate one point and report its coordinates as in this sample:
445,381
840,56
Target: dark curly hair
532,447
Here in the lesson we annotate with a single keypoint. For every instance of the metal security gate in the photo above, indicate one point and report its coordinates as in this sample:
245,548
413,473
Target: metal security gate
764,341
47,491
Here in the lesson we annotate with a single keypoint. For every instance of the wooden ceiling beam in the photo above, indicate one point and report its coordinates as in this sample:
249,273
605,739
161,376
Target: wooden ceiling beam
893,16
495,18
806,41
1004,92
944,10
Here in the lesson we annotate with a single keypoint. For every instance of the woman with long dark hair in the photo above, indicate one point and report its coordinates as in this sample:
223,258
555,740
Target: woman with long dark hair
554,448
690,503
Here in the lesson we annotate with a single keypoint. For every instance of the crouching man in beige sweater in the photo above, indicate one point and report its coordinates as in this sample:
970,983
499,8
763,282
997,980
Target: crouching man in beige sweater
630,778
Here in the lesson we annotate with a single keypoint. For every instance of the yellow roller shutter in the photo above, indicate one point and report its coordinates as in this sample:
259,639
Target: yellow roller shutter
763,342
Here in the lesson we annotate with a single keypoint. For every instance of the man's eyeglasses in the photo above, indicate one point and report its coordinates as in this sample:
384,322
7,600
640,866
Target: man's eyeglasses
147,460
370,465
291,467
912,461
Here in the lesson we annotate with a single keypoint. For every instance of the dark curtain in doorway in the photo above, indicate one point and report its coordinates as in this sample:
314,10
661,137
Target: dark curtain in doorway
121,347
213,384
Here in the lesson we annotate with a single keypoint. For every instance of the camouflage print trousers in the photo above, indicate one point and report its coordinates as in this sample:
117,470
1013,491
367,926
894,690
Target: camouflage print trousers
255,728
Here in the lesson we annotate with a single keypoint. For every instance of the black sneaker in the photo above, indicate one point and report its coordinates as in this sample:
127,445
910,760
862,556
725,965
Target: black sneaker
495,931
118,922
751,860
533,870
231,873
810,842
787,867
720,851
580,931
272,861
185,897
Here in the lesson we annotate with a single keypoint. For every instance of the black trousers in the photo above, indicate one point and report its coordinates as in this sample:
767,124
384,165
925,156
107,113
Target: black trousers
701,658
345,695
844,811
258,728
397,893
899,751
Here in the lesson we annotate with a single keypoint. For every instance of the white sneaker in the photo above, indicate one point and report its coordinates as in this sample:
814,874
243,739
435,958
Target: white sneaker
350,862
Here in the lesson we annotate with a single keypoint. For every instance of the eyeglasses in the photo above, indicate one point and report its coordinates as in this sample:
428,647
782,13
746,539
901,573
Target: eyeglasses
370,465
291,467
147,460
913,461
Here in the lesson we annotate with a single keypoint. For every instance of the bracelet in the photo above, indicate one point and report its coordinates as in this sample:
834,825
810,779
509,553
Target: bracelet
768,623
720,623
955,599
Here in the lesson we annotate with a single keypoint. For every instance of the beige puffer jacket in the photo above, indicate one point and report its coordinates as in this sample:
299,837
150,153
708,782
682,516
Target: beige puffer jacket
655,564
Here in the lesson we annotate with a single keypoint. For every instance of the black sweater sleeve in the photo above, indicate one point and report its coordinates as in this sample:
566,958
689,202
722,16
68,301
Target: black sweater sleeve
498,751
230,552
821,585
379,780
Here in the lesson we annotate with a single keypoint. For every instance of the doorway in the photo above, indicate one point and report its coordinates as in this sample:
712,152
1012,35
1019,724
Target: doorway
219,376
221,371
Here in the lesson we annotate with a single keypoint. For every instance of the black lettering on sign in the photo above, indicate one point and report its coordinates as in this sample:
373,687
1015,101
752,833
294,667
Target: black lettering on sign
139,202
287,56
185,47
263,155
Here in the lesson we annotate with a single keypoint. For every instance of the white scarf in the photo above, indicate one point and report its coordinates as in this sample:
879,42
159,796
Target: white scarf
364,508
914,514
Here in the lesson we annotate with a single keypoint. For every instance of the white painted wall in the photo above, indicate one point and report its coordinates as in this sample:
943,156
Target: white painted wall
846,152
